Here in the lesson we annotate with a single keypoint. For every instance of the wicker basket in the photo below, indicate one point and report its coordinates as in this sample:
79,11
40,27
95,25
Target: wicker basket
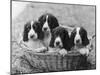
51,62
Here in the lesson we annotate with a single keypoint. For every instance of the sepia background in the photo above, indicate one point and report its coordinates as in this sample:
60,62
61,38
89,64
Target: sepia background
67,14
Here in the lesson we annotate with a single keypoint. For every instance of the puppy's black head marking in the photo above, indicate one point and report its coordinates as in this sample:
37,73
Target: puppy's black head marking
52,20
63,34
38,29
72,37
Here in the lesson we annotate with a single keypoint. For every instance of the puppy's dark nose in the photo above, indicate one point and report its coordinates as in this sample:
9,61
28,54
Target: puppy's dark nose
45,29
57,43
77,41
31,36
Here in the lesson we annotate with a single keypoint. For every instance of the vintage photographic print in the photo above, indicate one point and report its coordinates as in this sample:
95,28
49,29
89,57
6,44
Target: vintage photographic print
52,37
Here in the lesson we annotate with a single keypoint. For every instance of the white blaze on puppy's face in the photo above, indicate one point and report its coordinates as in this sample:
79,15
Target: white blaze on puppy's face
77,39
46,25
32,34
58,42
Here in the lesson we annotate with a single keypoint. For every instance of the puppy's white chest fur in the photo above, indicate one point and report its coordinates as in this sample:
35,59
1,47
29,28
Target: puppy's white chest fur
47,39
32,45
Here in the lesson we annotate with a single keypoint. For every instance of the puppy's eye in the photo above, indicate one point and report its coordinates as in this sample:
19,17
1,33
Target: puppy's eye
34,27
28,28
81,33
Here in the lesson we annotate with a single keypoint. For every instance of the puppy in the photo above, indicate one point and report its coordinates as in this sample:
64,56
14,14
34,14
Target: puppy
48,23
33,35
60,40
79,40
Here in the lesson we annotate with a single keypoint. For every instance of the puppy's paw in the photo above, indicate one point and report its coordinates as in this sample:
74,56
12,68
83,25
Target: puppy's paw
63,52
84,51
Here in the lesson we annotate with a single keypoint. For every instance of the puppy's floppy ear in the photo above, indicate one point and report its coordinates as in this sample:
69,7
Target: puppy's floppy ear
85,40
52,40
53,22
66,42
72,36
27,27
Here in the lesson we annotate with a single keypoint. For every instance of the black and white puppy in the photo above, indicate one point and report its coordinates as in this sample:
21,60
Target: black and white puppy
79,39
48,23
60,40
33,36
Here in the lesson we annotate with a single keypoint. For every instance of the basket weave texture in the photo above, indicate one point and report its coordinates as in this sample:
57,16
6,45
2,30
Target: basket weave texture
31,62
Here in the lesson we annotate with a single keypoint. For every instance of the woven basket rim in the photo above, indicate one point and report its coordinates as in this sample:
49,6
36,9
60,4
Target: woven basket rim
70,53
